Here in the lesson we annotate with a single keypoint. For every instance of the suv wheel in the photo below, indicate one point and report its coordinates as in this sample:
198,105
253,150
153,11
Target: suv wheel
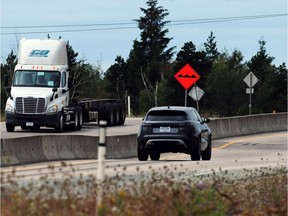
196,153
206,154
155,156
142,155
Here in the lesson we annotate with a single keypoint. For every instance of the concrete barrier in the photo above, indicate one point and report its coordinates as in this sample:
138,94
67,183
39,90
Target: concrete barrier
69,147
121,146
245,125
9,152
49,148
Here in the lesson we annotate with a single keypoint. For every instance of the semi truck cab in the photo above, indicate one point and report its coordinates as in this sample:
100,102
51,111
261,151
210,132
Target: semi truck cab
40,88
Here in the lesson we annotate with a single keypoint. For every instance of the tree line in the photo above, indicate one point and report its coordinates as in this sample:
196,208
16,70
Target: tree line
147,75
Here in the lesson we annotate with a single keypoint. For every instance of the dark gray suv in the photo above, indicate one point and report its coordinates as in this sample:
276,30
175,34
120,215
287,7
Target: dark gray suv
174,129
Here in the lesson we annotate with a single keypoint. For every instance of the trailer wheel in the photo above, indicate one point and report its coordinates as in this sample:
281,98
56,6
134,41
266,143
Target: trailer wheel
10,127
116,114
122,112
101,113
60,125
109,114
73,126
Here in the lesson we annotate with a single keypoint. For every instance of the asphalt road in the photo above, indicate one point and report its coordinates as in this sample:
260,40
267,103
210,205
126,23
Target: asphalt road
131,126
260,151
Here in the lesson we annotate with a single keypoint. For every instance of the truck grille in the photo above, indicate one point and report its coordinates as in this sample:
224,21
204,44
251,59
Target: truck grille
30,105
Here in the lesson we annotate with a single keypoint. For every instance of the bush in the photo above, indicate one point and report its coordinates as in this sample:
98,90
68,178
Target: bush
155,194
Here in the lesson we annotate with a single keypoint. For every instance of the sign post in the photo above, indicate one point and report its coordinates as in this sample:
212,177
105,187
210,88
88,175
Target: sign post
187,76
250,80
185,102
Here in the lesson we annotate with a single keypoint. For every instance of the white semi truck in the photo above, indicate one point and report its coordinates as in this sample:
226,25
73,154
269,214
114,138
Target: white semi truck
39,94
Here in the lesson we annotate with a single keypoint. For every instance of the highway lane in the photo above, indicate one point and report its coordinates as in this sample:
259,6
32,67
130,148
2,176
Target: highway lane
259,151
91,129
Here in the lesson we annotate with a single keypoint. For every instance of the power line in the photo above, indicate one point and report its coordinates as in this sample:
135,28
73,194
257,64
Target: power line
122,25
66,25
67,31
132,23
225,19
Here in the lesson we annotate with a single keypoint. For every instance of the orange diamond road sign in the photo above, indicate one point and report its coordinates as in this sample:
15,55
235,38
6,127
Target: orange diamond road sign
187,76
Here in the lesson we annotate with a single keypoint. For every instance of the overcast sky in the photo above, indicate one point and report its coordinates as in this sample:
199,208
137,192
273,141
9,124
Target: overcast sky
100,45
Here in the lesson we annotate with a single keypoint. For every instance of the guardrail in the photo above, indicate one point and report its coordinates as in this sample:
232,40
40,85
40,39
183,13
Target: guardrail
70,147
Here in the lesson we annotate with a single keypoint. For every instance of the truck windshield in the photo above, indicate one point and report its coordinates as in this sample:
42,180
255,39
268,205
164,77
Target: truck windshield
36,78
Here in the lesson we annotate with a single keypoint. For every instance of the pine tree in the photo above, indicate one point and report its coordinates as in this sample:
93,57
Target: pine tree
262,67
153,39
211,48
10,65
279,84
154,43
116,74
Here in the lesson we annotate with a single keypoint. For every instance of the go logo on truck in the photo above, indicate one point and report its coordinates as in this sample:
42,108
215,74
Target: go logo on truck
39,53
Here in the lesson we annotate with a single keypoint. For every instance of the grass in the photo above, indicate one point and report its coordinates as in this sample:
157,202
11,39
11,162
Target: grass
158,193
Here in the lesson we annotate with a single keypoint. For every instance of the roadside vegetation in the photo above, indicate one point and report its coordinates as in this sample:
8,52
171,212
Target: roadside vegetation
259,192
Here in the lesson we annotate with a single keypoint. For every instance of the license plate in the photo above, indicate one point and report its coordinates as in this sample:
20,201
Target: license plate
29,124
165,129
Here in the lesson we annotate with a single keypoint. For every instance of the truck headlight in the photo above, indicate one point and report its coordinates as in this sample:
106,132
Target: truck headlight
9,108
53,108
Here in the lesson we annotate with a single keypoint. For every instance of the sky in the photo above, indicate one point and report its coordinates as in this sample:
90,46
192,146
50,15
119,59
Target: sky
100,45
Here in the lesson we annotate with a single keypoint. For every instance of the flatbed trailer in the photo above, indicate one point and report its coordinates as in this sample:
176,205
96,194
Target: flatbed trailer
113,111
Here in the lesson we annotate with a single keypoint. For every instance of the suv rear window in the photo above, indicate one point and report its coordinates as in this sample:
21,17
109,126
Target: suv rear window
165,115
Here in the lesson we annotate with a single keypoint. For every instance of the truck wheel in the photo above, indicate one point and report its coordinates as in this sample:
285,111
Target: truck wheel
60,126
80,120
10,128
196,153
